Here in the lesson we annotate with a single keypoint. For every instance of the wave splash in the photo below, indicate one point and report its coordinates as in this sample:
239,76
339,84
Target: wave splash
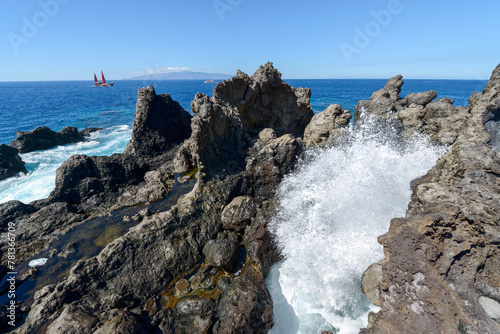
42,165
331,212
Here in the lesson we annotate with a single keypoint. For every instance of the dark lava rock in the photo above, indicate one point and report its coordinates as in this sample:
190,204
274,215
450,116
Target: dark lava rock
43,138
244,140
11,210
269,160
223,251
237,214
194,314
442,260
246,307
227,124
87,131
89,182
10,162
327,126
160,123
417,112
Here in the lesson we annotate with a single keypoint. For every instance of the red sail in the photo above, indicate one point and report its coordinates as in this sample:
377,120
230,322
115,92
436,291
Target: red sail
103,80
95,79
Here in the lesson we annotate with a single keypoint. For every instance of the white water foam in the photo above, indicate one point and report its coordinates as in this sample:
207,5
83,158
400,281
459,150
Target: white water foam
331,212
42,165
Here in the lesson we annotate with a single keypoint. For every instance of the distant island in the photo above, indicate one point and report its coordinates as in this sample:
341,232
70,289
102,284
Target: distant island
183,75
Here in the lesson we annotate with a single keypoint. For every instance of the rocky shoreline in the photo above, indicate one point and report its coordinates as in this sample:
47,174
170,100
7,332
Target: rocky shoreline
41,138
441,269
200,265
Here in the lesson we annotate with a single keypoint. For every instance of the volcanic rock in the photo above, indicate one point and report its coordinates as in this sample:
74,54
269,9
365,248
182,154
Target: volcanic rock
227,124
237,214
87,131
246,307
223,251
90,182
244,140
43,138
10,162
417,112
327,126
10,210
442,259
159,124
269,160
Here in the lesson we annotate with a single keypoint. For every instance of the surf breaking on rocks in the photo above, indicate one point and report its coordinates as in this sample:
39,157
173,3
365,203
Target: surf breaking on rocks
331,212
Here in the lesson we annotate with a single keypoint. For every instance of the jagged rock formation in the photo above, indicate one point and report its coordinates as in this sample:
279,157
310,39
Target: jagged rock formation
233,117
200,266
417,112
156,132
138,282
43,138
327,126
87,185
88,131
441,271
10,162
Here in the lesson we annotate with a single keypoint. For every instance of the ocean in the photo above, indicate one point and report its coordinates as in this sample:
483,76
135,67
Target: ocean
56,104
311,292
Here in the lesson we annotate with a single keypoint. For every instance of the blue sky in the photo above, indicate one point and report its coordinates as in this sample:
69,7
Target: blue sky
72,39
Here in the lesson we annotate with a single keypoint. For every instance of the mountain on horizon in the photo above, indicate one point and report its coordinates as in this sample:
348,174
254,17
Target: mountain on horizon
183,75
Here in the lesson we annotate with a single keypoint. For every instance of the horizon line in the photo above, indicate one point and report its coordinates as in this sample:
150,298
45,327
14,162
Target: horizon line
220,80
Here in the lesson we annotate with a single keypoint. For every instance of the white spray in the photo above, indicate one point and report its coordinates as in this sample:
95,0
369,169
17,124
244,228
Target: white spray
331,212
42,165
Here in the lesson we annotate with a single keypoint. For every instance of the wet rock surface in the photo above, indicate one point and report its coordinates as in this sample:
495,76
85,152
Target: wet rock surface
43,138
417,112
10,162
442,259
200,265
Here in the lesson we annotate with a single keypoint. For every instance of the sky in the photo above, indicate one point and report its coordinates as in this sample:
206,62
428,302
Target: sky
72,39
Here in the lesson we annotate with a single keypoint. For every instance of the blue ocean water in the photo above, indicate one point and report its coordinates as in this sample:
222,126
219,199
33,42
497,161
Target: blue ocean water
333,301
27,105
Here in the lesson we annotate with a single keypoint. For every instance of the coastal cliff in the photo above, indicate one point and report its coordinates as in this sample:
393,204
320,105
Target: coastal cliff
441,268
184,244
200,265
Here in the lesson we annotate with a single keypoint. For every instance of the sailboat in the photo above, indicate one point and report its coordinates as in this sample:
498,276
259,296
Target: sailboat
103,83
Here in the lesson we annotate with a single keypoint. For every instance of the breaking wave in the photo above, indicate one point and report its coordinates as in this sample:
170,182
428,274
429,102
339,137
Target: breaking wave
331,212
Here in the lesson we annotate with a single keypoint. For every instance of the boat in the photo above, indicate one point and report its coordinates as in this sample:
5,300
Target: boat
103,83
210,81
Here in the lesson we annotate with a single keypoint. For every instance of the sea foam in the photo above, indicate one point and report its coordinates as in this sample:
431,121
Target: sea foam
42,165
331,212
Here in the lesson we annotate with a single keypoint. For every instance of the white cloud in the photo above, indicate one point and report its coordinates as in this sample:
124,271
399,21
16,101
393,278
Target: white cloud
159,70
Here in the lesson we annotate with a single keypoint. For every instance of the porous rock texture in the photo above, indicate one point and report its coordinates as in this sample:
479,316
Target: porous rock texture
156,132
233,117
417,112
10,162
442,260
200,266
43,138
327,126
87,186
